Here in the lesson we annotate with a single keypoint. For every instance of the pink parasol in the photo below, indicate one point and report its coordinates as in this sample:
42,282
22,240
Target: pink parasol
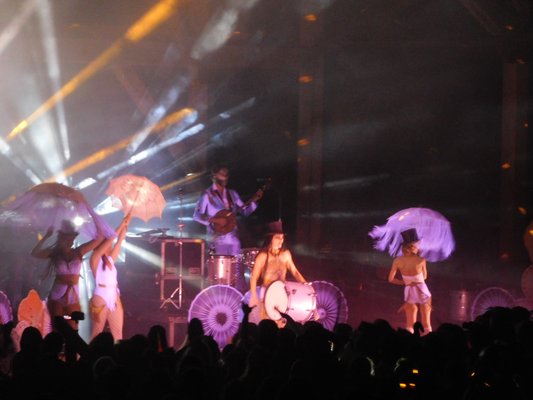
436,244
48,204
137,195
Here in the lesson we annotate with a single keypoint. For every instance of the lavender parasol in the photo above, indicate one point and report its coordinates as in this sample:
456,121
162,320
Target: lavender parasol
48,204
437,242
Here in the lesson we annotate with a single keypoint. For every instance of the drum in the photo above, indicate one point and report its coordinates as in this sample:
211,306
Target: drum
296,299
248,256
221,270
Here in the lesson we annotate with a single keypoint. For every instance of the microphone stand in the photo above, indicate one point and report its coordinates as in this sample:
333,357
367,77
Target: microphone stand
181,225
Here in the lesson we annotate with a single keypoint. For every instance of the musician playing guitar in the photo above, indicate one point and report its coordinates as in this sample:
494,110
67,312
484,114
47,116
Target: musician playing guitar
217,209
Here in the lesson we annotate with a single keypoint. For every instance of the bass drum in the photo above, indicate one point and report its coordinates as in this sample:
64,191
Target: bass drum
296,299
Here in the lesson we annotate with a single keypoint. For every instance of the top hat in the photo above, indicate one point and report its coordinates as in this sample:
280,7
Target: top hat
410,236
67,228
274,228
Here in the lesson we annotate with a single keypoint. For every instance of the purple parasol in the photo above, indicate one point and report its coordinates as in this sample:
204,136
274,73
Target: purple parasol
218,307
436,244
48,204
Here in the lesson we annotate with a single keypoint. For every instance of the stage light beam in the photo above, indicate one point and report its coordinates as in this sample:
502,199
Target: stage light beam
144,26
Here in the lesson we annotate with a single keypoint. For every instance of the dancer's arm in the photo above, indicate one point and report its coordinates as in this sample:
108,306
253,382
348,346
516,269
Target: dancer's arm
259,264
38,251
292,267
392,274
121,234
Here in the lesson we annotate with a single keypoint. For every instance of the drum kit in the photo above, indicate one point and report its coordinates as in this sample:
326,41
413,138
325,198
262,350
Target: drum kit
219,306
222,269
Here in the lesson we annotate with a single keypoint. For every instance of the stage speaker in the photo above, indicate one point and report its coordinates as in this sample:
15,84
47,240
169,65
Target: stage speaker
182,257
165,255
177,264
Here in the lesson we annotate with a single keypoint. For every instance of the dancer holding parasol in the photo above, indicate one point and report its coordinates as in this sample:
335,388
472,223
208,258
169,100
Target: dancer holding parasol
413,271
54,207
413,236
65,261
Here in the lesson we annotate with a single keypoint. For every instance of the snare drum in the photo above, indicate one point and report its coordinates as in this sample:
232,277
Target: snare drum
296,299
221,270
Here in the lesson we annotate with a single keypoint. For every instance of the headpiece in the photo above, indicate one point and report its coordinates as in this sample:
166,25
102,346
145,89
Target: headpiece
410,236
274,228
67,228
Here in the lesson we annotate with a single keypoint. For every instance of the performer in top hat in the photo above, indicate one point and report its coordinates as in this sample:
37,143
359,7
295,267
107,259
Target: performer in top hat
413,271
65,261
271,264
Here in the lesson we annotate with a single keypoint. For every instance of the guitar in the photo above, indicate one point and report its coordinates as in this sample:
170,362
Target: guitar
225,220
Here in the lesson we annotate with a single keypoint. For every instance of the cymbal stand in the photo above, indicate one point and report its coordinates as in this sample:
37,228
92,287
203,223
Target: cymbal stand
181,225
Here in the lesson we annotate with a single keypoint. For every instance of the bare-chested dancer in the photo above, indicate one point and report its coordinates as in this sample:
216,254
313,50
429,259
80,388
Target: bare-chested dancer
271,264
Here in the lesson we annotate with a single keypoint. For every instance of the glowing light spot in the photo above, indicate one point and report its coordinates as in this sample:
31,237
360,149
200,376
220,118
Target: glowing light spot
506,165
509,27
78,221
522,210
412,385
310,18
303,142
526,125
305,79
504,256
402,385
403,216
415,371
530,232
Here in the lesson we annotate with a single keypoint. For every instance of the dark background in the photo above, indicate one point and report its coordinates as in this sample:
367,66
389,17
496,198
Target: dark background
410,108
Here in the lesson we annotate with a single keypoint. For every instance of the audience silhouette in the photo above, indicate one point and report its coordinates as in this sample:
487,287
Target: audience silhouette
488,358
